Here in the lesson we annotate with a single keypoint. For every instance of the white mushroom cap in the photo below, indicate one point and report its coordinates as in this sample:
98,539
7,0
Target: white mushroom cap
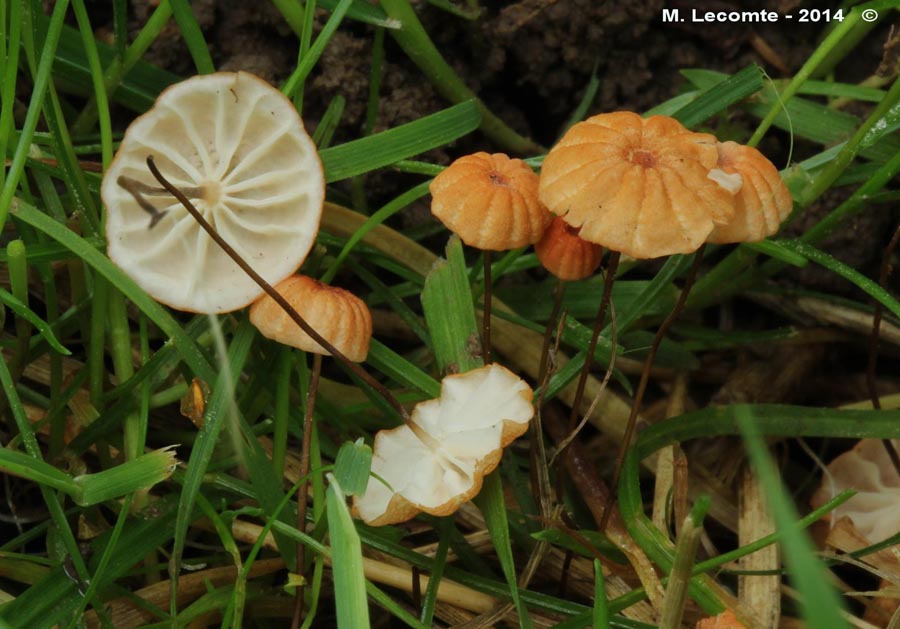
875,509
463,434
237,148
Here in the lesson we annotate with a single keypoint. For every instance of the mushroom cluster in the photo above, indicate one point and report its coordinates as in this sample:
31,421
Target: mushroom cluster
649,187
451,442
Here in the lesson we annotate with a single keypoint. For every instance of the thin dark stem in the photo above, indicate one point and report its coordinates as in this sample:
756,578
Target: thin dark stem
302,499
538,448
486,311
274,294
645,378
873,343
611,268
558,294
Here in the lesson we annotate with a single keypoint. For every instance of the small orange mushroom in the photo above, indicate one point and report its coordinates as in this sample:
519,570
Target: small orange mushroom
490,201
725,620
637,186
762,200
341,317
565,255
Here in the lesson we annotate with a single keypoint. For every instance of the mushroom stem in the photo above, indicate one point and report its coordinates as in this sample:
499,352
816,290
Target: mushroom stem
645,378
873,342
558,294
486,310
611,267
304,474
275,295
541,479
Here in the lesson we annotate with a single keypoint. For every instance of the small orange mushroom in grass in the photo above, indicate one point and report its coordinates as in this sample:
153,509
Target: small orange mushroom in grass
567,256
491,202
340,317
650,188
335,313
725,620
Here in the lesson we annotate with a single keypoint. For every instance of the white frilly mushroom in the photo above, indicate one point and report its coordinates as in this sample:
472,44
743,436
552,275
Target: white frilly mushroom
875,509
439,463
236,146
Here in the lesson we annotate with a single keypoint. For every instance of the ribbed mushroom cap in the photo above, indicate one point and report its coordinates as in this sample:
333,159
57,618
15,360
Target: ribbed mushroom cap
634,185
867,468
490,201
457,439
762,201
342,318
237,148
565,255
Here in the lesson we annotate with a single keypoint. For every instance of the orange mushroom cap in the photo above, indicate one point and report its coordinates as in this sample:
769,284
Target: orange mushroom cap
762,202
725,620
342,318
491,201
566,255
637,186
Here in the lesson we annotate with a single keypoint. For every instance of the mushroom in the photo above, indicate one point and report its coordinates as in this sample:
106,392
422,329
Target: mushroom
237,147
725,620
438,460
640,187
636,185
867,468
336,314
491,202
341,318
762,200
565,255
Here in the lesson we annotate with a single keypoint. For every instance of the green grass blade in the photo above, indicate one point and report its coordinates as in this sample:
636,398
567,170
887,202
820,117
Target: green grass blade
392,364
188,349
385,148
718,97
37,471
450,314
142,472
38,92
21,310
201,453
351,467
839,268
346,561
193,36
820,603
294,85
55,597
493,507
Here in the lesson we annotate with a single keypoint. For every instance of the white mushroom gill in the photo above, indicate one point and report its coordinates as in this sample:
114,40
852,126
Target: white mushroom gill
237,148
732,182
439,462
867,468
